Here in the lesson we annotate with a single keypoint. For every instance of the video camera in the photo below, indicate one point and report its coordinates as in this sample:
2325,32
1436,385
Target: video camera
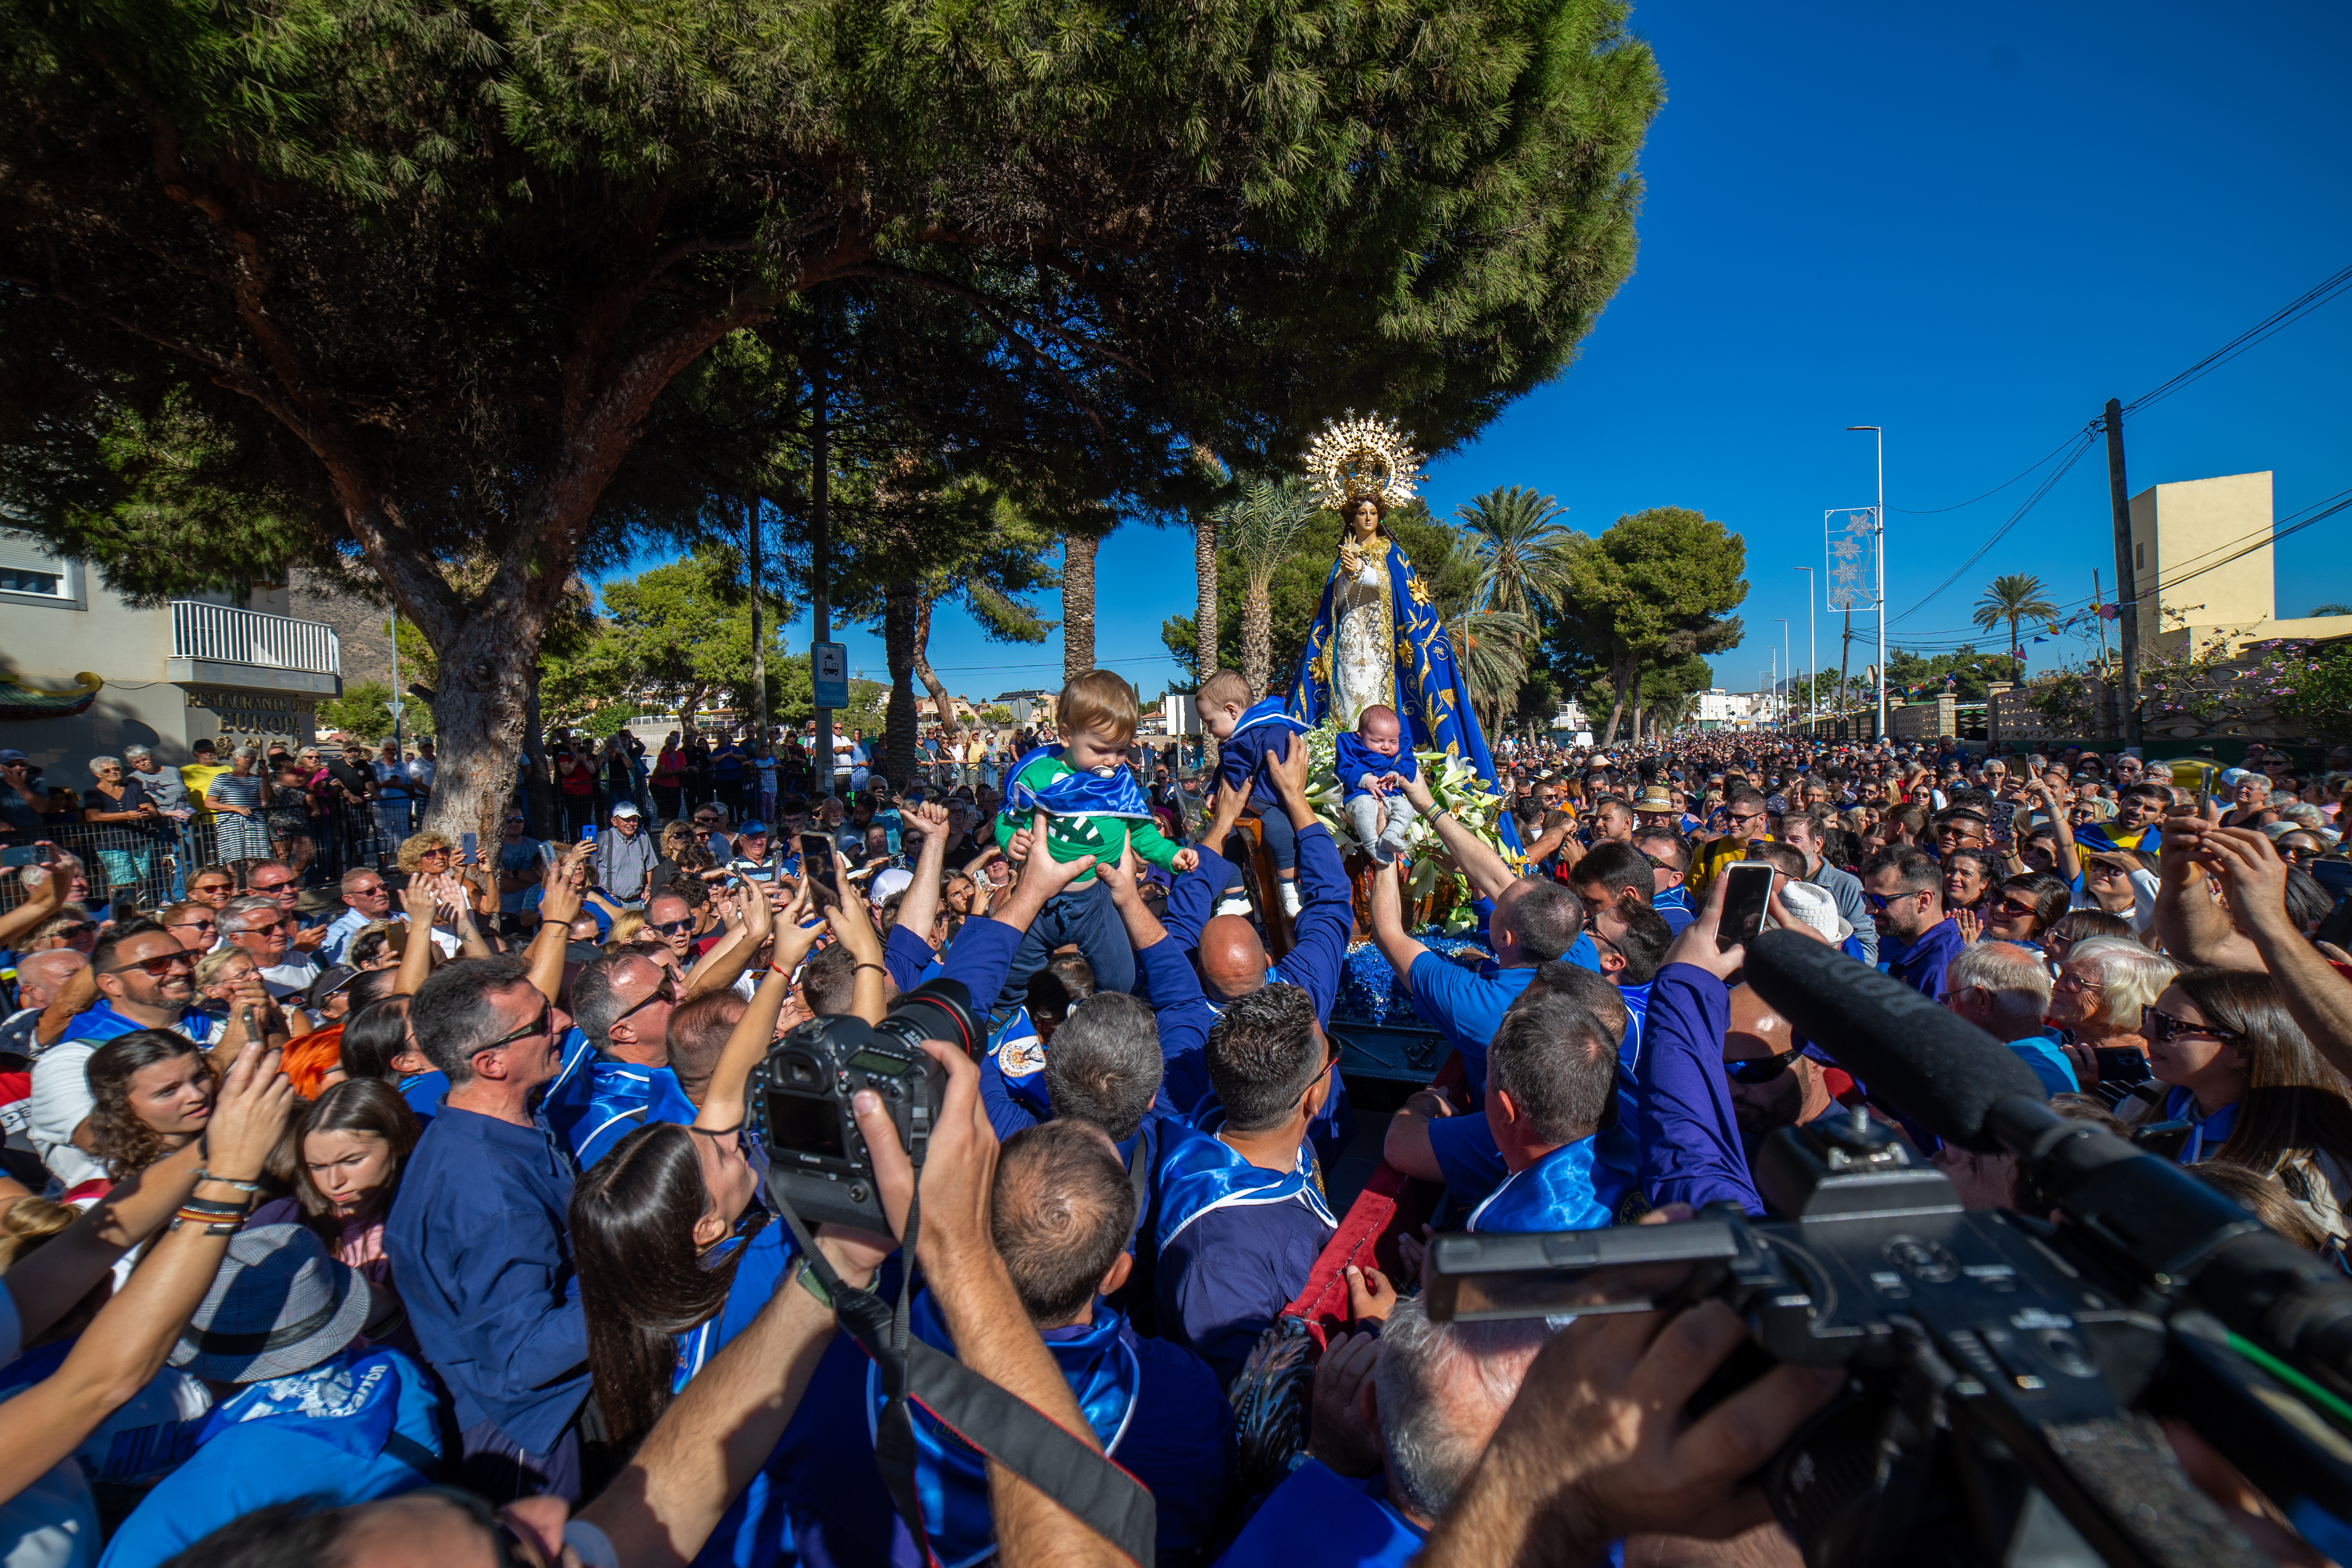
2006,1374
818,1163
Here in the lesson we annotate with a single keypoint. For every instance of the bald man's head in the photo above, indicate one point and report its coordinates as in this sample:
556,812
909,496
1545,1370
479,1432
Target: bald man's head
1233,957
41,975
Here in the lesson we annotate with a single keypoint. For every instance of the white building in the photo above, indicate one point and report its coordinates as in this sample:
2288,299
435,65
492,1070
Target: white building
1721,710
230,667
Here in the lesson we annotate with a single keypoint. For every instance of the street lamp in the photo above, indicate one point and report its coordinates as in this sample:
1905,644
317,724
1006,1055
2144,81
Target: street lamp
1881,433
1813,650
1788,664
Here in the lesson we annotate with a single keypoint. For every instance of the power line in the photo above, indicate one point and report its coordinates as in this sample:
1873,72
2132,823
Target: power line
2083,440
1933,510
2276,322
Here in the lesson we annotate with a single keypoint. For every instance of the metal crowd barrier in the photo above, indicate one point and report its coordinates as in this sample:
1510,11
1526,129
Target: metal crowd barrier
152,867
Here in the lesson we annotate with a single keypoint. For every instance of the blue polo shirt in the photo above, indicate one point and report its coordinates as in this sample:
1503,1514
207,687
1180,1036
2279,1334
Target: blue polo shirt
2041,1053
478,1239
1920,963
621,1098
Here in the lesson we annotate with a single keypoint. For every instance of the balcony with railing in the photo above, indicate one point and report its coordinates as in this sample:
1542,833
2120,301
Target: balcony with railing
218,644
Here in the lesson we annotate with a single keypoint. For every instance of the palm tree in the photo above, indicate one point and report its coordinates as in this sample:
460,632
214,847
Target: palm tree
2014,596
1204,564
1515,542
2330,609
1260,527
1078,604
1490,644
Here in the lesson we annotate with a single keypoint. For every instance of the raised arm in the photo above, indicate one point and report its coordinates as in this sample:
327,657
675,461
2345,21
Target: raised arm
2192,926
749,923
44,896
919,909
1482,866
1388,921
2070,861
124,1347
724,1098
2315,995
560,892
870,997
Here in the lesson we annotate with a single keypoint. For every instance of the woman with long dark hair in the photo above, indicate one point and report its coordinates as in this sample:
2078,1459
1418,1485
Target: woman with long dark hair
2227,1057
674,1254
153,1093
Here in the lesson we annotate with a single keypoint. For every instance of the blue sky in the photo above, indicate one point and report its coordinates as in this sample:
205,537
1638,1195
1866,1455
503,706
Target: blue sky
1970,225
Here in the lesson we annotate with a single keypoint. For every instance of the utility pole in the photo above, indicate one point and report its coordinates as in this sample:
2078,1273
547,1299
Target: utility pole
1845,656
2126,581
759,644
1812,657
820,548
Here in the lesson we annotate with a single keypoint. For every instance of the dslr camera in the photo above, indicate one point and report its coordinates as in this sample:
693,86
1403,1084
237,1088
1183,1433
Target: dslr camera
2006,1374
818,1162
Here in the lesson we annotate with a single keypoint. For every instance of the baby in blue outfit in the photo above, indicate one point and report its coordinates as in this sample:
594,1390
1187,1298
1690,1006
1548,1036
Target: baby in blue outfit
1372,763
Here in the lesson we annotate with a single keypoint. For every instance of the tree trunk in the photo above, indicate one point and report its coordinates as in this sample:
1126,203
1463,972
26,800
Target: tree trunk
1078,604
1204,615
1258,639
1637,720
931,683
1620,678
477,716
546,811
901,608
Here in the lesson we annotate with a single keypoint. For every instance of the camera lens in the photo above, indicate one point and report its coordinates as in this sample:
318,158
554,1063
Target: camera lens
938,1010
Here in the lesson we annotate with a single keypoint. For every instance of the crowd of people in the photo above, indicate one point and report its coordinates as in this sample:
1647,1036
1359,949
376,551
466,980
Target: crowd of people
424,1212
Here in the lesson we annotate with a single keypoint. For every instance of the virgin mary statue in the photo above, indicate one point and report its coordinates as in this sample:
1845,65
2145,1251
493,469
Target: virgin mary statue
1376,639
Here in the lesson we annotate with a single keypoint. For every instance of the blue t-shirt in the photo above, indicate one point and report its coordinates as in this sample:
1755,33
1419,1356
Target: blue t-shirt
1263,731
2041,1053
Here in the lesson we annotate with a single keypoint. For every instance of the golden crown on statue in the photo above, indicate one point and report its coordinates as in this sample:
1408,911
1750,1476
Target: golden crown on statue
1353,458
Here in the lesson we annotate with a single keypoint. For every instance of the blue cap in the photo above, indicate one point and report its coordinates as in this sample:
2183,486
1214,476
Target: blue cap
753,830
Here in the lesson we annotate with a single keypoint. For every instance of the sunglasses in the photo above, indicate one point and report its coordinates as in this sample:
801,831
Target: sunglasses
542,1025
666,992
671,928
193,925
156,968
269,887
2162,1028
1880,901
1759,1070
2014,909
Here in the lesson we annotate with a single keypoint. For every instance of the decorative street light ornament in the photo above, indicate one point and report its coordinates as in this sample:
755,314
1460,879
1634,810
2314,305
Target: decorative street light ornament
1356,458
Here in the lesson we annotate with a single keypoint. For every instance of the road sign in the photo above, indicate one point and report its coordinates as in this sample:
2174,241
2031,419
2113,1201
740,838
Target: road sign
829,674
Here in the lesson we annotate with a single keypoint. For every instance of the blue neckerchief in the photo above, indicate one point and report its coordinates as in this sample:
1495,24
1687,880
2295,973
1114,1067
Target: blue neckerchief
1073,794
1198,1174
1556,1193
351,1400
762,1250
1021,1061
2210,1131
101,1021
952,1479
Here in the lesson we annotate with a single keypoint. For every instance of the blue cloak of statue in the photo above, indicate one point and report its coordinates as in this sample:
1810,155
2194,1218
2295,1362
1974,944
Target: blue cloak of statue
1431,695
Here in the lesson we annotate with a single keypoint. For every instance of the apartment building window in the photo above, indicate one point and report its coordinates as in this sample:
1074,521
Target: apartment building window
28,572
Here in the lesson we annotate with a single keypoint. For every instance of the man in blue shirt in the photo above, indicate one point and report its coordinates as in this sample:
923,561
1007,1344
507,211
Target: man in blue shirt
476,1234
1409,1414
1553,1085
2004,989
1904,894
1241,1209
1669,857
313,1415
622,1002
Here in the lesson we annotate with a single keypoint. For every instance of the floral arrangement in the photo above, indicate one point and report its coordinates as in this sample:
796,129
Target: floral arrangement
1458,788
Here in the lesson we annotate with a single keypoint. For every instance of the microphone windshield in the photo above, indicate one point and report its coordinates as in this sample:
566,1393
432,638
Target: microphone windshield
1940,1070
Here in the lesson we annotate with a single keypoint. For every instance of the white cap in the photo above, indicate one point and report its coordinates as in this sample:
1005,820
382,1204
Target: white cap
61,1101
892,882
1817,907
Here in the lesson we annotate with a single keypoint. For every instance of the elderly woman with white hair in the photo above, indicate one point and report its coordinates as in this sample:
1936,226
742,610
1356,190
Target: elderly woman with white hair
2103,985
117,805
237,799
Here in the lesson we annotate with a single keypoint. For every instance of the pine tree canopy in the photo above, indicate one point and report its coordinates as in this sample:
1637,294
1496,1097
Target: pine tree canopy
388,282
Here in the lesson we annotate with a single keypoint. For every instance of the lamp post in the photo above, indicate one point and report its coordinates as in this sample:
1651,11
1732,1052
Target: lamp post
1788,664
1813,650
1881,517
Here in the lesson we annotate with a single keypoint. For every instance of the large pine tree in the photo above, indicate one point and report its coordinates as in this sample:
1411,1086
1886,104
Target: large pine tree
400,286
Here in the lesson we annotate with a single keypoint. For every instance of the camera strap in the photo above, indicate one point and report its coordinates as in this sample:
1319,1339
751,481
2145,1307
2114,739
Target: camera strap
1032,1445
